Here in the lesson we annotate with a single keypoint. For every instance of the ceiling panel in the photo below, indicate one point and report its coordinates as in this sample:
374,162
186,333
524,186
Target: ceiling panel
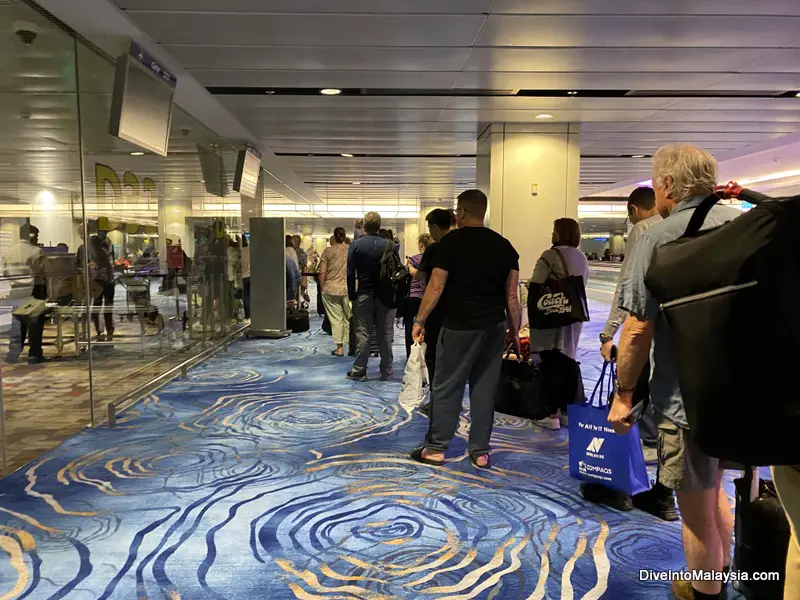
702,45
583,81
335,115
314,6
621,60
626,31
238,58
759,81
627,7
173,28
321,79
326,128
777,61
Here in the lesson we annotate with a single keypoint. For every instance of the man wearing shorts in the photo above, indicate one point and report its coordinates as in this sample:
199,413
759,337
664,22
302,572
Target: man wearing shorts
683,176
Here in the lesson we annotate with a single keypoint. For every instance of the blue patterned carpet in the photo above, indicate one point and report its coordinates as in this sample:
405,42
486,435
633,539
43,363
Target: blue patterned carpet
268,475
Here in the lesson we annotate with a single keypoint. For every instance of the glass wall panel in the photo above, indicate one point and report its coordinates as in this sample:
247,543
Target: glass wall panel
45,380
167,231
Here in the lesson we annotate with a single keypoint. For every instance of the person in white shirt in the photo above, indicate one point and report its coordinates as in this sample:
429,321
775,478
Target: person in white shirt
23,263
559,347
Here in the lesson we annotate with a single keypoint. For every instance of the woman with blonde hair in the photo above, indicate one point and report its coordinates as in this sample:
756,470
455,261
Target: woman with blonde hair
417,291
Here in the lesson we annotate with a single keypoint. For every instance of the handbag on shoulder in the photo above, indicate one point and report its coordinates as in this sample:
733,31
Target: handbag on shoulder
559,301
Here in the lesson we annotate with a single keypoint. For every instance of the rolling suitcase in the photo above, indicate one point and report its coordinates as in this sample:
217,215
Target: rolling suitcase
761,534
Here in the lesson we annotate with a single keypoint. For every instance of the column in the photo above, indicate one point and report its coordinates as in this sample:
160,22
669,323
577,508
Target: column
172,214
617,244
530,172
410,238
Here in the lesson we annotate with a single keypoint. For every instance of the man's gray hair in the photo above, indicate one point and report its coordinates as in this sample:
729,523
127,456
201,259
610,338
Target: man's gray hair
693,171
372,222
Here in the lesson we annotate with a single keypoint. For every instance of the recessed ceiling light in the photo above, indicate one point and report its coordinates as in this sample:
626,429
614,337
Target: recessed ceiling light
638,156
347,155
572,93
797,95
356,183
544,116
137,153
330,91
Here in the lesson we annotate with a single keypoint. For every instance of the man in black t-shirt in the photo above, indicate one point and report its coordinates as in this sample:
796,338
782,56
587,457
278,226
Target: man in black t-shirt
440,222
475,277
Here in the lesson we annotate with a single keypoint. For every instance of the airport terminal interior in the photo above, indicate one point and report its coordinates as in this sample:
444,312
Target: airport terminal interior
152,445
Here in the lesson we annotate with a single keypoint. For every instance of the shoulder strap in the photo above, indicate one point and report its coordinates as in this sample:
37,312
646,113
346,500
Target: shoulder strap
388,251
700,214
563,262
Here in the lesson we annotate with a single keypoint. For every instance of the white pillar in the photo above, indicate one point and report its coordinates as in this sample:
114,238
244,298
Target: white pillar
172,215
617,243
410,239
530,173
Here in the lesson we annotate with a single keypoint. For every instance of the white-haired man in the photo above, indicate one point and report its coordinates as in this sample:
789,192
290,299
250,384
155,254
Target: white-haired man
683,176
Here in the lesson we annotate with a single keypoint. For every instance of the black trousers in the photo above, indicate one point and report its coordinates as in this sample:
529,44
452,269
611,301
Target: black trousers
246,296
433,329
411,307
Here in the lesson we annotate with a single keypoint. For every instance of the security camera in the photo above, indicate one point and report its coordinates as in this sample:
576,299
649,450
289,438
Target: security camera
26,32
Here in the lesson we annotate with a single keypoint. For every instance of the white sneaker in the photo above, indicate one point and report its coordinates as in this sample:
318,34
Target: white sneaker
549,422
563,418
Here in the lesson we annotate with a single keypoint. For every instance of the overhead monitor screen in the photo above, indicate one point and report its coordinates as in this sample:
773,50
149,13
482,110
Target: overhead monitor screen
248,169
213,167
141,110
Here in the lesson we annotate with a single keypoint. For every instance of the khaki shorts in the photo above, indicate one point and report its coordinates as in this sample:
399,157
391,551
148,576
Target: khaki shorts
682,466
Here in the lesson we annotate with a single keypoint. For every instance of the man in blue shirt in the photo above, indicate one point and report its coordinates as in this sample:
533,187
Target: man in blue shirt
683,176
363,272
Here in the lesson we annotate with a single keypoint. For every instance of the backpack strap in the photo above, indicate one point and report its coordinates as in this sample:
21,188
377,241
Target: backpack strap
700,214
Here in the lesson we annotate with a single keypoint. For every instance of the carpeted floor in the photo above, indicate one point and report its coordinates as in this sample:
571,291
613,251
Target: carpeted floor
267,475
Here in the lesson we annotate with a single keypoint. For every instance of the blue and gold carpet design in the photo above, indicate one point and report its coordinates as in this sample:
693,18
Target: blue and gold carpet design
267,475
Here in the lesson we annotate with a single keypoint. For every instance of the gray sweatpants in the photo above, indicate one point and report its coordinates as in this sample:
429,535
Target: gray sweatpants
369,313
464,357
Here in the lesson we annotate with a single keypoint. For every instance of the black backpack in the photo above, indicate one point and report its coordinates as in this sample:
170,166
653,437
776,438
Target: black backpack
730,297
392,278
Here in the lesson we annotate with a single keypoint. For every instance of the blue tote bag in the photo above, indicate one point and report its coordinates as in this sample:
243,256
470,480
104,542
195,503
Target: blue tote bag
596,453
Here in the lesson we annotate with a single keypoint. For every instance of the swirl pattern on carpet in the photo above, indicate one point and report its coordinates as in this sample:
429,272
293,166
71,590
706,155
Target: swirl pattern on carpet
266,474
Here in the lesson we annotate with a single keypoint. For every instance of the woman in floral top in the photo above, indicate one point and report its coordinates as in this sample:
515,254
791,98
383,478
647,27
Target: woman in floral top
333,281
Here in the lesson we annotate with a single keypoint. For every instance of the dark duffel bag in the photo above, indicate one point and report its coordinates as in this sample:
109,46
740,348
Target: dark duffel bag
762,538
326,325
519,390
729,295
297,320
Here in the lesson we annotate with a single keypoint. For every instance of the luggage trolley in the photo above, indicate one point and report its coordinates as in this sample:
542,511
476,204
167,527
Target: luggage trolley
139,302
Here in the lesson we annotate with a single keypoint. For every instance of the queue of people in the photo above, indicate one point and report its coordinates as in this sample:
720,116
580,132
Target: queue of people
465,305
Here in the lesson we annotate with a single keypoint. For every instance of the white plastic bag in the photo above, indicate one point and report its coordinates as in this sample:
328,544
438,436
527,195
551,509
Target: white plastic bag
415,380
